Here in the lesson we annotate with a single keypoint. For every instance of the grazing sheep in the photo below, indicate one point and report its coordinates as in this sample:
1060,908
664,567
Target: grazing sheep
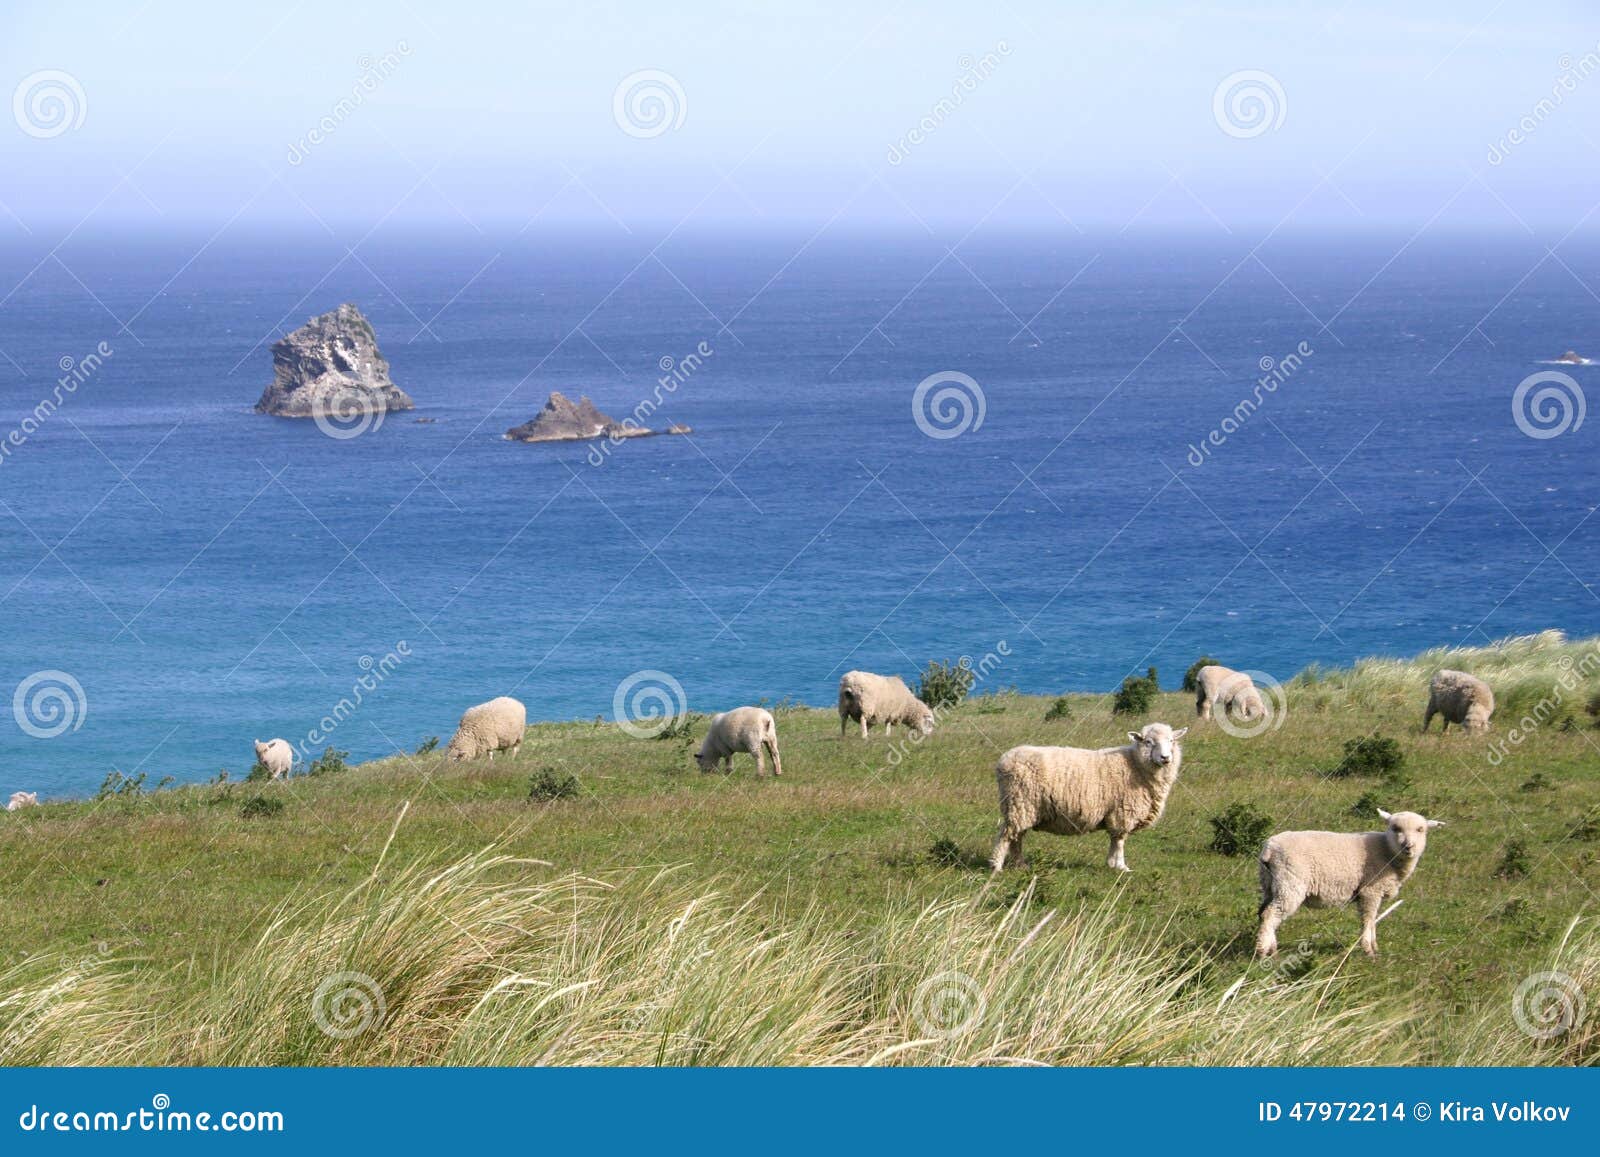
1459,698
276,756
742,729
1223,689
1329,869
488,728
1071,790
22,799
884,699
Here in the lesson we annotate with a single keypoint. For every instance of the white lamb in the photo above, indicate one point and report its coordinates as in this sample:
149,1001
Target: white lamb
22,799
276,756
884,699
1330,869
1223,689
745,729
1072,790
488,728
1461,699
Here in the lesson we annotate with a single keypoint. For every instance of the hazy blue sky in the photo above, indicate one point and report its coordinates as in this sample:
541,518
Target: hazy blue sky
1094,113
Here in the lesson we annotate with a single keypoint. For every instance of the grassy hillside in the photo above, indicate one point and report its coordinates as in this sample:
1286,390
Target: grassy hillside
837,913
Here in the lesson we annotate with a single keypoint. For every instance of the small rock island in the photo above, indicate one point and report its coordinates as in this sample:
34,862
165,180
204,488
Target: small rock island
329,365
563,420
1572,358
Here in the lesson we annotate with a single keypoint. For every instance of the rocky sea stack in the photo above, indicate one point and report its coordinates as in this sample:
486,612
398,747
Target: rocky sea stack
563,420
330,367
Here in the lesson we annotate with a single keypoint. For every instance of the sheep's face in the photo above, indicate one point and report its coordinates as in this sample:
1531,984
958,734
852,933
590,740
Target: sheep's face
1477,718
457,751
261,749
701,760
1408,833
925,722
1157,744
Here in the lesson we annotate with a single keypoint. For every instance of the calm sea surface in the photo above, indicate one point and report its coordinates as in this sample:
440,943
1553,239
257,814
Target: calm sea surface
206,575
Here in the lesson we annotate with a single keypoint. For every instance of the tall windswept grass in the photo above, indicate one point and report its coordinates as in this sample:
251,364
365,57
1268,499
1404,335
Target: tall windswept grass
1523,670
491,960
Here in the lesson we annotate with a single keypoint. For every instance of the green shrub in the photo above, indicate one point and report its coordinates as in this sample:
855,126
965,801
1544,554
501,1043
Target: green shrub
1375,755
1240,830
1514,862
1367,805
1190,682
944,684
546,785
947,852
678,727
260,806
119,786
258,773
430,744
1136,695
1060,709
1538,782
330,762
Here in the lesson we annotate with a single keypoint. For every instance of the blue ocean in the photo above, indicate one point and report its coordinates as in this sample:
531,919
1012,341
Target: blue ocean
1066,457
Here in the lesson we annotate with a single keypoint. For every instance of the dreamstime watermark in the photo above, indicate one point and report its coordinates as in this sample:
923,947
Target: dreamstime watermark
948,1005
1248,103
347,1004
74,372
49,703
1550,410
648,702
980,670
374,672
974,71
160,1117
948,404
674,373
1263,712
1572,72
350,413
1573,681
1273,374
648,103
48,103
374,71
1548,1004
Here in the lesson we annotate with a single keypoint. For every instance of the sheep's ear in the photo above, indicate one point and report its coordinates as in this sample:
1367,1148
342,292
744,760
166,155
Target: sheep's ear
1383,815
1435,824
1136,737
1180,733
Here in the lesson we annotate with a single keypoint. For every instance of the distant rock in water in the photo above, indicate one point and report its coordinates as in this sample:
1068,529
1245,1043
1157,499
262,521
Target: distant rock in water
331,366
1572,358
563,420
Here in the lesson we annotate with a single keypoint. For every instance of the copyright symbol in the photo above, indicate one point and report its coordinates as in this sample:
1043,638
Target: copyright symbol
1421,1111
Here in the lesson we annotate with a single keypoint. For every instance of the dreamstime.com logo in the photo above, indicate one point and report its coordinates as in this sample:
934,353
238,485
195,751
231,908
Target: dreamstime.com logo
1249,103
350,414
947,1005
49,103
1257,715
1548,1004
49,703
948,404
347,1004
647,703
1550,410
648,103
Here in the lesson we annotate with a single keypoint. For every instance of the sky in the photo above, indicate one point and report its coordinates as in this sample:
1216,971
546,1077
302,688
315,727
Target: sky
1004,113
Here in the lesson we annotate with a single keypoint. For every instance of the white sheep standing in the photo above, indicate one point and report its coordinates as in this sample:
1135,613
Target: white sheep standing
488,728
1223,689
884,699
1330,869
22,799
742,729
276,756
1072,790
1460,698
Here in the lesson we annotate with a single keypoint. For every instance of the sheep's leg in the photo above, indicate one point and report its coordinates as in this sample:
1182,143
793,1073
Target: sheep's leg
1007,848
888,727
777,763
515,748
1117,861
843,718
863,727
761,763
1370,903
1202,706
491,755
1267,935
